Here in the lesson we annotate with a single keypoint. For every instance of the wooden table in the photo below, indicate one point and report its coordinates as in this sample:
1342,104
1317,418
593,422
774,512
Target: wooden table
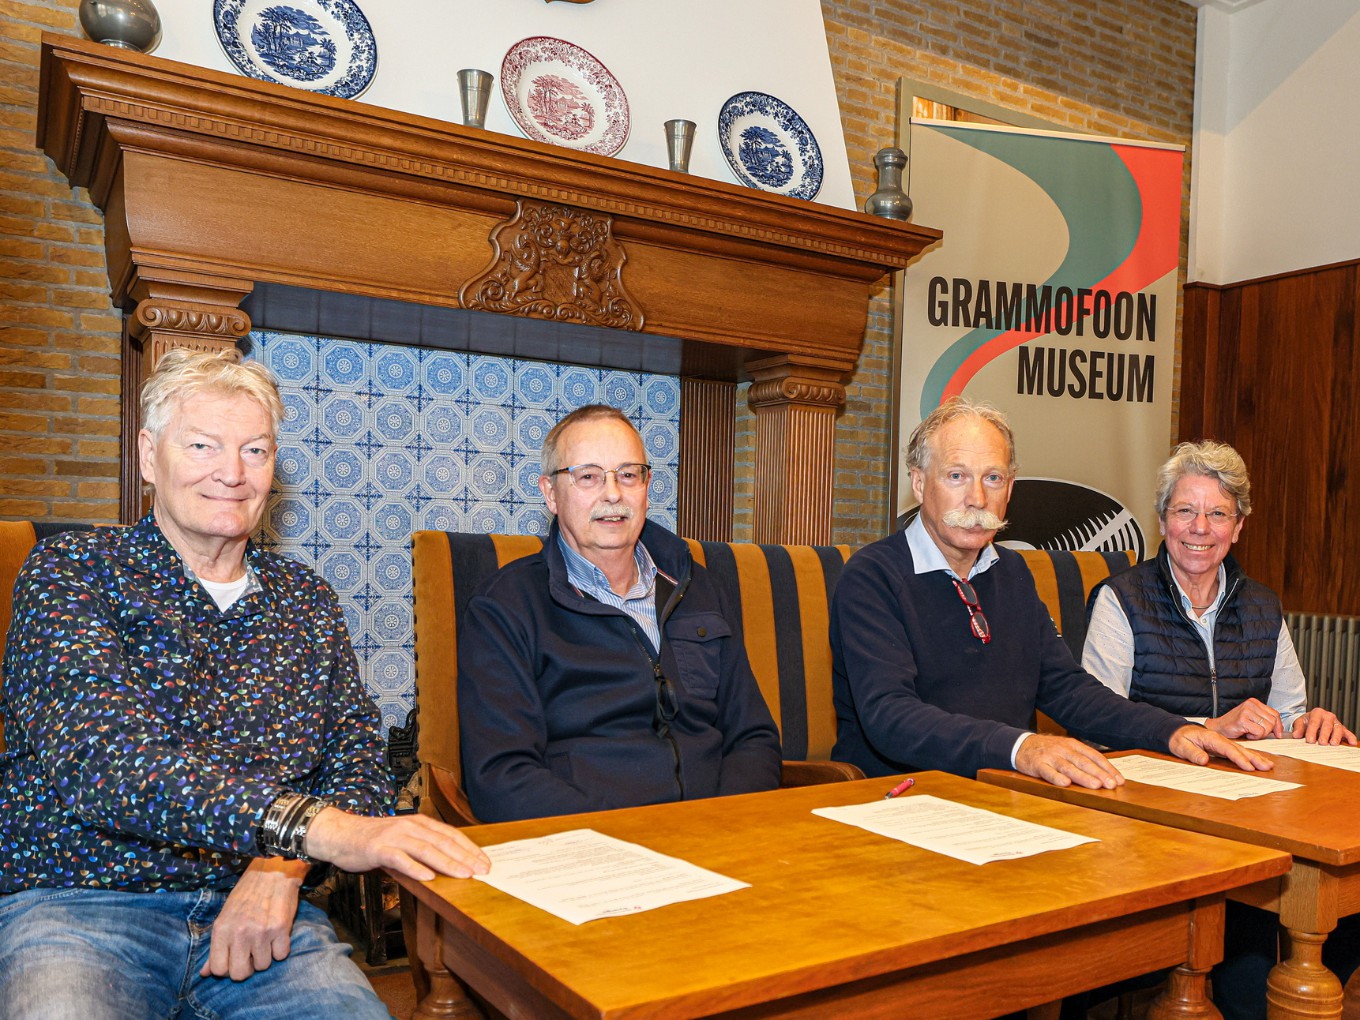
839,922
1319,824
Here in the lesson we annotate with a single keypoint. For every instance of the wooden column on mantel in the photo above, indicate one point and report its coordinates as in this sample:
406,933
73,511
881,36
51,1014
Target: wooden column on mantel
707,492
796,400
169,310
213,184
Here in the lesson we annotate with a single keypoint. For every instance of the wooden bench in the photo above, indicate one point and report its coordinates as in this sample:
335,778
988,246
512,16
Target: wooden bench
781,594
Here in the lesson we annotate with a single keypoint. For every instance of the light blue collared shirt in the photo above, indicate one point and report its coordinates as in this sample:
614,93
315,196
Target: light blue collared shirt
926,557
639,601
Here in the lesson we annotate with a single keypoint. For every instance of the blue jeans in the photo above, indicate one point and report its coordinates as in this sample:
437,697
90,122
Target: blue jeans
92,954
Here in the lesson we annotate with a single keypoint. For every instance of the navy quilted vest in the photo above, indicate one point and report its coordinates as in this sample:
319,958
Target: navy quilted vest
1170,666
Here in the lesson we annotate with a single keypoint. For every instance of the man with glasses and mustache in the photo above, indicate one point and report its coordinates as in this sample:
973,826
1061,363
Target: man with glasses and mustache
943,650
602,671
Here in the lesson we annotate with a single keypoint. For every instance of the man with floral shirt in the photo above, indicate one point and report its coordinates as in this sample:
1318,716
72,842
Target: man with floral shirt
187,730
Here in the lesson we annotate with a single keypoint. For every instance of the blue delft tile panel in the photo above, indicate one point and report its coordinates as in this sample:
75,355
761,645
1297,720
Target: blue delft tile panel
379,441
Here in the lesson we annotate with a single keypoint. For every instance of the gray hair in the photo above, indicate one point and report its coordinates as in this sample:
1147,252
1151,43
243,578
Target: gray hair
182,373
590,412
1206,459
919,446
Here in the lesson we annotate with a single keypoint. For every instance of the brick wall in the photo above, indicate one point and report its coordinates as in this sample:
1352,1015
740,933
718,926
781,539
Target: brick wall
59,334
1121,67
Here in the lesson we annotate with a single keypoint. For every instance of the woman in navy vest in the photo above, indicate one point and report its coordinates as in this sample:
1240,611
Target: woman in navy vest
1191,633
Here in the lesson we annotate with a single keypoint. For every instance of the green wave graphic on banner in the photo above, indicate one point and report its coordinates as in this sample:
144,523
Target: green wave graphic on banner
1097,198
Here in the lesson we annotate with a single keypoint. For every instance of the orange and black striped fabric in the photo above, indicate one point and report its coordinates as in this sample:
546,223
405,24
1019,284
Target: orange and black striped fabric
1064,579
781,595
17,539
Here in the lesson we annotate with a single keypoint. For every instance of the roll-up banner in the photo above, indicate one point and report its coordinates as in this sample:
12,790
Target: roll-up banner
1053,297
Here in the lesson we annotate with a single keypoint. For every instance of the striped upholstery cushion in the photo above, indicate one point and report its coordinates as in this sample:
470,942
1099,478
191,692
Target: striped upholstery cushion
1064,579
780,595
447,568
17,539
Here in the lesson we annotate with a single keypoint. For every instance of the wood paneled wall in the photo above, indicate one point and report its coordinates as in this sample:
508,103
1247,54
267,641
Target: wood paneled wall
1272,366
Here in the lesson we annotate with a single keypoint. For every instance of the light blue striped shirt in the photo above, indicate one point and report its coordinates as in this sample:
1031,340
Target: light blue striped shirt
639,601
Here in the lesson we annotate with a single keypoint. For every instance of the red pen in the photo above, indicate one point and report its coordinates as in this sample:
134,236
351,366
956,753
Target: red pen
900,788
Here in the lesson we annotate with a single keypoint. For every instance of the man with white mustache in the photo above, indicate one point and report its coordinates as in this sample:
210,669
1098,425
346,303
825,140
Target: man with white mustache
602,671
943,650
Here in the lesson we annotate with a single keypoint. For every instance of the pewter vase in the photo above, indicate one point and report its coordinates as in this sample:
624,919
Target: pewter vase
889,200
130,24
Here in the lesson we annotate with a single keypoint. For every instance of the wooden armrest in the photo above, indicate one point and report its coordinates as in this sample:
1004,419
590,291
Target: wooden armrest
451,803
1043,724
814,773
446,794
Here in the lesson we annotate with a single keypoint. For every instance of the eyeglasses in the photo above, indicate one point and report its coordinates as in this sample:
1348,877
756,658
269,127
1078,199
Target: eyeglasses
667,703
591,477
977,622
1188,515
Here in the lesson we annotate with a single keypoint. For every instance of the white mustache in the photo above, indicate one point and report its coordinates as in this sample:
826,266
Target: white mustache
974,518
616,510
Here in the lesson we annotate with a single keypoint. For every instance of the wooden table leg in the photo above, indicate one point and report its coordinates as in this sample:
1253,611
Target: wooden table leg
1300,987
1184,997
446,998
1350,1002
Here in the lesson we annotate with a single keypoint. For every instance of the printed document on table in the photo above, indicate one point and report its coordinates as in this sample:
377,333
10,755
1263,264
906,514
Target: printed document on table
1175,775
1339,756
955,830
582,876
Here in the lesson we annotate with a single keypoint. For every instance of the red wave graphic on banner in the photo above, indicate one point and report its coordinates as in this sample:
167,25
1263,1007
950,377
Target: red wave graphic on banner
1154,254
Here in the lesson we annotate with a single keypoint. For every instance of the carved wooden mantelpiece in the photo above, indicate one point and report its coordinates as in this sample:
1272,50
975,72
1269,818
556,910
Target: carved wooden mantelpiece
211,183
555,262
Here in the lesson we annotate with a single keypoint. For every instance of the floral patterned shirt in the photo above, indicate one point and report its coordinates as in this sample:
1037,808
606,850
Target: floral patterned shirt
148,731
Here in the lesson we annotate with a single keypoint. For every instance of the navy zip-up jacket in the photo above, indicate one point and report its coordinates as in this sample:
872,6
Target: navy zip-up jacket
558,695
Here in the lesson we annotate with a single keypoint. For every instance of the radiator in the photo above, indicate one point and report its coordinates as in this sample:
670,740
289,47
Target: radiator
1329,652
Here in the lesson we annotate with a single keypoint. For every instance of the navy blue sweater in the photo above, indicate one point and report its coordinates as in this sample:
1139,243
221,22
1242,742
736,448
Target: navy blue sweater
914,689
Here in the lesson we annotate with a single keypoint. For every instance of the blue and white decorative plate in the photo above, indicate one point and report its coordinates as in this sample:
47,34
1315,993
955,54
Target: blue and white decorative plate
768,145
321,45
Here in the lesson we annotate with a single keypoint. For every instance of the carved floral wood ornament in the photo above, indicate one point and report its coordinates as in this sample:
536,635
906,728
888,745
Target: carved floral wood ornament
555,262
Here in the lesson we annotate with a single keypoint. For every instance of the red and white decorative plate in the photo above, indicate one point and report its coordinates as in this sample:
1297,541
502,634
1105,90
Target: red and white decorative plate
557,92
